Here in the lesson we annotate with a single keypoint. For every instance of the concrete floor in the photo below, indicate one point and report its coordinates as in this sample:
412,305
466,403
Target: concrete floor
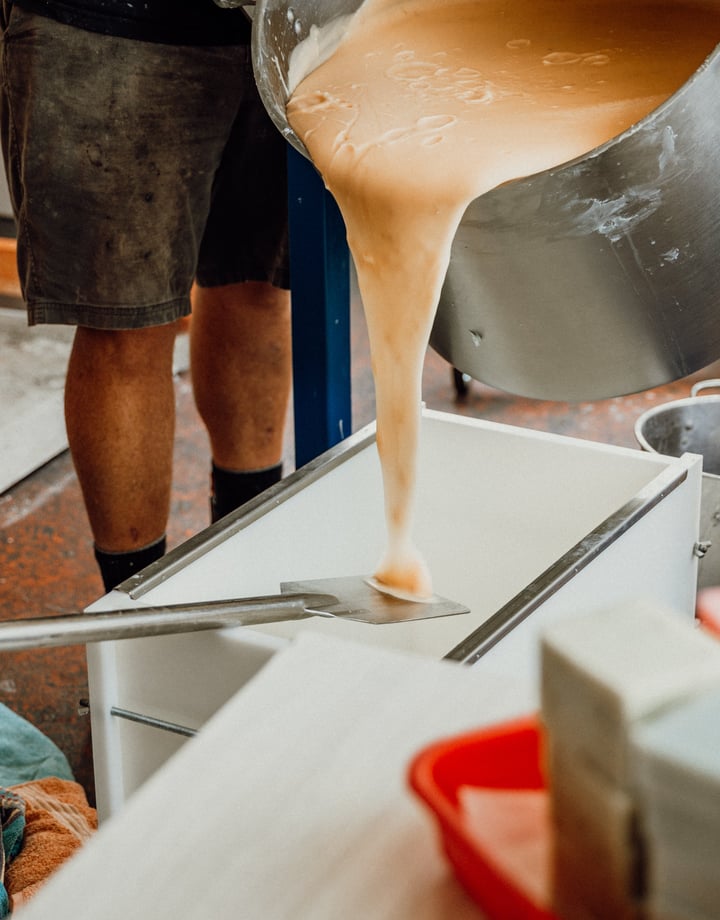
46,561
32,374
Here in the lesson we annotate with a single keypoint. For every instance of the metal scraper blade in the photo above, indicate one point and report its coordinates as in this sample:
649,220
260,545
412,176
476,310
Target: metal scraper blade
358,600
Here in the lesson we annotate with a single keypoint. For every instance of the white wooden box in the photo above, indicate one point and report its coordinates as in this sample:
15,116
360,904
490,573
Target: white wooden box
521,526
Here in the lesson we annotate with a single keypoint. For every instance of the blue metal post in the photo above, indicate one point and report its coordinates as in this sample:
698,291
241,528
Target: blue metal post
320,278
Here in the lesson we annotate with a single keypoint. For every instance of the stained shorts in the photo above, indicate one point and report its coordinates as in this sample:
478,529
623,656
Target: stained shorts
135,168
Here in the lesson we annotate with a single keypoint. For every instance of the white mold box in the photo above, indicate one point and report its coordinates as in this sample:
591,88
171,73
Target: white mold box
519,525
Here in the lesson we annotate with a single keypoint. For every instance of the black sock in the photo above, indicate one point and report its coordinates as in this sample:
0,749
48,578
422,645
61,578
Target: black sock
231,489
116,567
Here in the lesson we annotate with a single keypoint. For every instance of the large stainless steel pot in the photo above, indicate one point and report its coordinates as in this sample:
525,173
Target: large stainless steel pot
594,279
692,425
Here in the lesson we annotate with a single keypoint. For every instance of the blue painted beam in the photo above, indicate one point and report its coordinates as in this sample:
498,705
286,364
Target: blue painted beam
320,279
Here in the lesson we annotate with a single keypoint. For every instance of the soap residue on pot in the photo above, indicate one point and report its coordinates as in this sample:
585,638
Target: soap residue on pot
424,105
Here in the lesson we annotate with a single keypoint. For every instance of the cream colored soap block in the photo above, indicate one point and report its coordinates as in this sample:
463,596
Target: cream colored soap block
673,910
676,758
604,672
580,890
676,779
595,859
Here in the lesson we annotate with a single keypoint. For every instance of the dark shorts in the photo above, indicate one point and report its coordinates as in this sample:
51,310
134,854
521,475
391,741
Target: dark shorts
133,169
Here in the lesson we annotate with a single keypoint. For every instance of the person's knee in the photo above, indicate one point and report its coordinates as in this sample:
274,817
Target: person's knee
136,351
257,295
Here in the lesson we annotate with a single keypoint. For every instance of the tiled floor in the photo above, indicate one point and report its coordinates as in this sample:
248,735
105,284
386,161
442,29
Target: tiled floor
46,563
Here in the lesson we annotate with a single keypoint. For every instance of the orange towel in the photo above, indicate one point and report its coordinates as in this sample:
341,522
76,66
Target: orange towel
58,820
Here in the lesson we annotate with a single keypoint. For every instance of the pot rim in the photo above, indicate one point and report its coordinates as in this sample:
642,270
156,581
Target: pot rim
694,400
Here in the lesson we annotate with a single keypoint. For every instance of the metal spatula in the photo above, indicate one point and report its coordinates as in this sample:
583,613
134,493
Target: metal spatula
348,598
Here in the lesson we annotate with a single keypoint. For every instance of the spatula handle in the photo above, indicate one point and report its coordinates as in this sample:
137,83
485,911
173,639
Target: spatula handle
137,622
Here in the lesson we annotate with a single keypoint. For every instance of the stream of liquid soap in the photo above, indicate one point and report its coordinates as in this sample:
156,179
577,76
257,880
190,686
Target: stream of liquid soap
427,104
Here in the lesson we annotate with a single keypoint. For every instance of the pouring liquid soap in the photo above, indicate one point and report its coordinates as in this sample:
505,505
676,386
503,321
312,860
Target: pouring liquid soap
423,106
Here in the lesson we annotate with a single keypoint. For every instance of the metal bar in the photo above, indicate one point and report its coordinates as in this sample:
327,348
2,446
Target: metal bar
152,722
497,626
135,623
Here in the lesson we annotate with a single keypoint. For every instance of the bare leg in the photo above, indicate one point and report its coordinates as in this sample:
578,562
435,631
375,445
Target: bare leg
241,358
120,417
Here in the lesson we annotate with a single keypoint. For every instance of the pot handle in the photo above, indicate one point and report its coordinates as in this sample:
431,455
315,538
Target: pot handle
704,385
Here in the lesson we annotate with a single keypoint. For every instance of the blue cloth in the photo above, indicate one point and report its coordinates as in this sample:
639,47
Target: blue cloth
12,826
26,754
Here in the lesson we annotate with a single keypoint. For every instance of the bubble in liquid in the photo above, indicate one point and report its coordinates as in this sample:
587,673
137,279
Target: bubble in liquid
562,57
596,60
298,27
290,15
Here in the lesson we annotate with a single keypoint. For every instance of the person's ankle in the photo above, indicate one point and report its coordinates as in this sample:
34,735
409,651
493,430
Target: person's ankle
117,567
232,488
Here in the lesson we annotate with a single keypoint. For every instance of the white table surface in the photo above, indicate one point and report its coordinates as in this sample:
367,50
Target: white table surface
292,802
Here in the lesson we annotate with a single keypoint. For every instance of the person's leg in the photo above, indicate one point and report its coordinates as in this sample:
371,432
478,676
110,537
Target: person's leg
111,243
240,330
120,417
241,370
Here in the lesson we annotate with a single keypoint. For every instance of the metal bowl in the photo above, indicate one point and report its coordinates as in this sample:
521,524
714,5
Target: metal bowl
594,279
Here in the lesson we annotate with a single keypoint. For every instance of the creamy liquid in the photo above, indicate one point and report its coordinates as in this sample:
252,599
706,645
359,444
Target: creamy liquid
427,104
